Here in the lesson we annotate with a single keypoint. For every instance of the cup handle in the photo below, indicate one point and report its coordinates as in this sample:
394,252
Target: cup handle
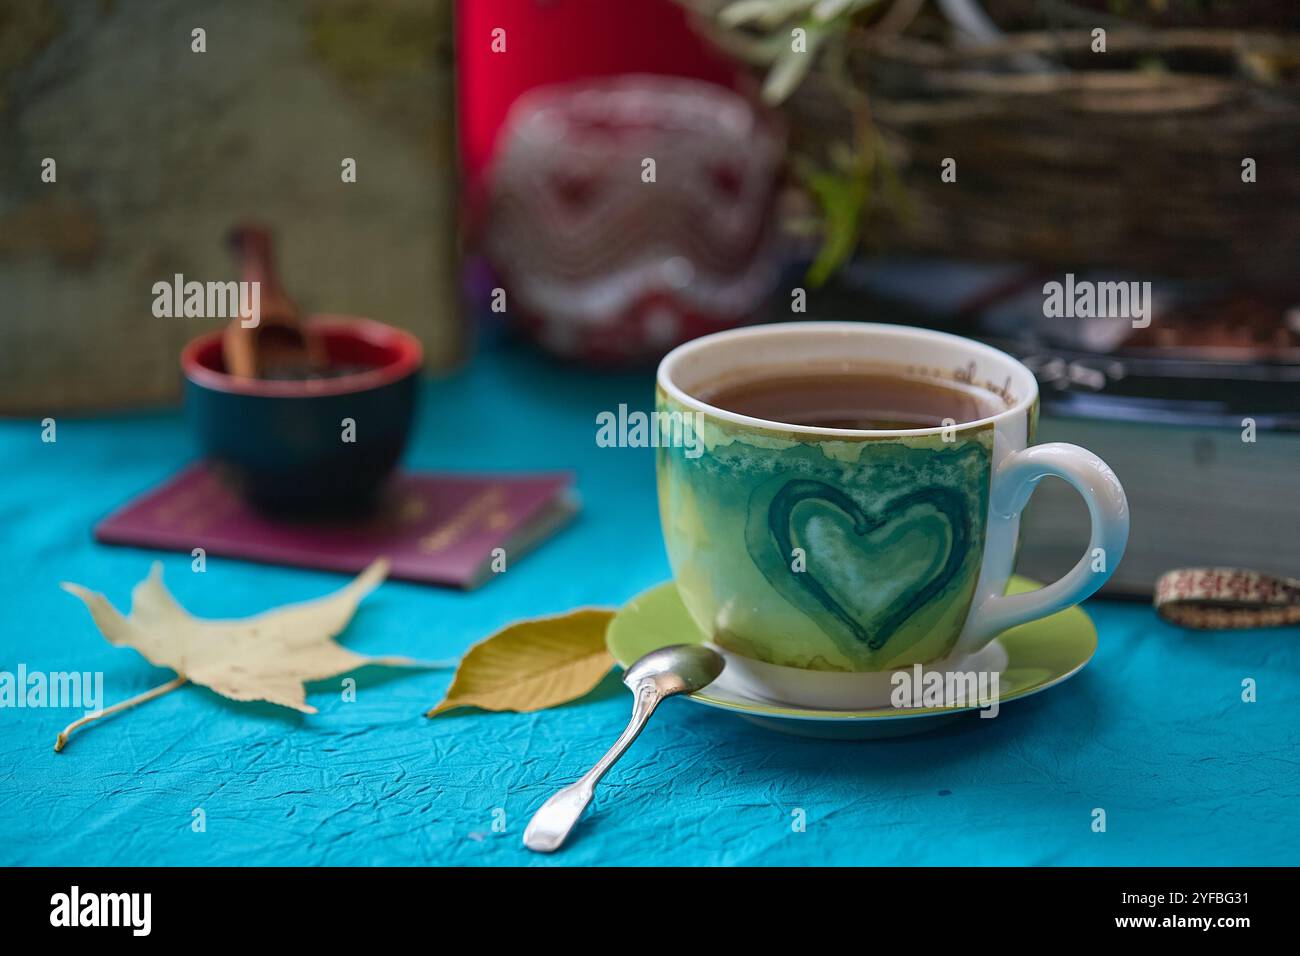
1014,482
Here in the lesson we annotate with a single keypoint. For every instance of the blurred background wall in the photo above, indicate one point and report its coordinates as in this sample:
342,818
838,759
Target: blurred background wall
160,150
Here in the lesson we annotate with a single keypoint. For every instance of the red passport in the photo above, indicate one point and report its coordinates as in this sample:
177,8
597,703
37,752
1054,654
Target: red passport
437,528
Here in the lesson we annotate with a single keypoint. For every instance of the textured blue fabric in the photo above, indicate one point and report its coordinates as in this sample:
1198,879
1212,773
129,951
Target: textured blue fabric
1153,731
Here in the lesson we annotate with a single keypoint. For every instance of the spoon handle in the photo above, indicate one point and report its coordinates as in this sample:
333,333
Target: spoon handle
254,248
550,825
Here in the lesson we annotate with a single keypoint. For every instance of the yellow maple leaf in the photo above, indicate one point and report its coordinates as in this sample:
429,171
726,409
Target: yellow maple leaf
265,657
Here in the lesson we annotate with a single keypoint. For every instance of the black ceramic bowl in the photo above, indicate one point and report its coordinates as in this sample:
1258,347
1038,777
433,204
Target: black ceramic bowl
283,441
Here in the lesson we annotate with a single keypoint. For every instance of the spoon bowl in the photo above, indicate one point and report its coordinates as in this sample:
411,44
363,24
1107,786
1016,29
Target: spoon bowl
676,669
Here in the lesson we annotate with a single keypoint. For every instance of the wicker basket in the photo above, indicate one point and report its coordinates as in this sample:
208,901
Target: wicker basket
1099,160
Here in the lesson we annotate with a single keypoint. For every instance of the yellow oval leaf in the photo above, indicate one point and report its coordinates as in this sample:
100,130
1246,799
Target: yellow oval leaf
533,664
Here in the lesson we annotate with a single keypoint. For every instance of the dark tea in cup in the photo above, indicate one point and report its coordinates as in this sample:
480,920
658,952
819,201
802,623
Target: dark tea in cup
840,396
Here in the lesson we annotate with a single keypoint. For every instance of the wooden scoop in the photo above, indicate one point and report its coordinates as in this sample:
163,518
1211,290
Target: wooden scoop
279,345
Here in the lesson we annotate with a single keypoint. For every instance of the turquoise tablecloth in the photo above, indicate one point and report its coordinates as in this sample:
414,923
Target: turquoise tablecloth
1154,731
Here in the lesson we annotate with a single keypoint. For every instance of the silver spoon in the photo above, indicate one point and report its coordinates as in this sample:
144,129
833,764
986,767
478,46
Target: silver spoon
678,669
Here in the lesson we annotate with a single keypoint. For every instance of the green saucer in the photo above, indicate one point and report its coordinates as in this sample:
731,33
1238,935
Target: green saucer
1040,655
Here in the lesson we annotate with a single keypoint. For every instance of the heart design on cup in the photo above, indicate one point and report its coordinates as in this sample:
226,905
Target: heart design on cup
889,531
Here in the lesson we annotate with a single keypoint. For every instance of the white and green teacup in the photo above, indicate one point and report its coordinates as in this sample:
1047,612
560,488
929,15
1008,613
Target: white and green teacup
819,560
